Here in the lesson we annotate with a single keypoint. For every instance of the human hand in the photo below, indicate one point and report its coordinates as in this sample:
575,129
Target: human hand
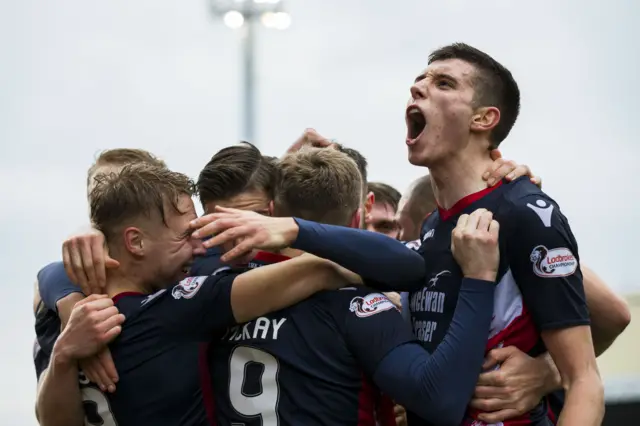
86,258
507,169
101,370
395,299
474,244
311,138
513,389
241,231
401,415
93,323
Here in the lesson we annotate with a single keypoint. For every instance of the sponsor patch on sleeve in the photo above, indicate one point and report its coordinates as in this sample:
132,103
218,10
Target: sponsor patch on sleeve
370,304
188,287
553,263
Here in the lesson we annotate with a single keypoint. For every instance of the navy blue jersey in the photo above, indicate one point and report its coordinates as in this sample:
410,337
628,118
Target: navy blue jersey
161,354
47,324
540,283
207,264
309,364
47,331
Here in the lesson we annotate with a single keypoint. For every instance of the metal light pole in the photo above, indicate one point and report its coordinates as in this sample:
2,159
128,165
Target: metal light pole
246,15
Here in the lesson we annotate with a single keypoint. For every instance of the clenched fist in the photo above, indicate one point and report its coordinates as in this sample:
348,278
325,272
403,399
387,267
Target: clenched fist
474,244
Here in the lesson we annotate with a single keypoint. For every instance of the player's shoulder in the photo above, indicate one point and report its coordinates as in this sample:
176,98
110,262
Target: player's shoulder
521,192
53,271
189,287
523,202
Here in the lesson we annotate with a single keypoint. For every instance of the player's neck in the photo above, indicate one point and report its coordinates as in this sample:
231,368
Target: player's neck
118,281
459,176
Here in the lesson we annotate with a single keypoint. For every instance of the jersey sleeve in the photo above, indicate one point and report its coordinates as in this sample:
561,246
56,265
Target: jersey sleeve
54,284
198,307
379,259
544,261
372,326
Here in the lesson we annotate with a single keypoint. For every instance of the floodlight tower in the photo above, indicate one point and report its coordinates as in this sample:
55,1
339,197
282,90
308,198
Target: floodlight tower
246,15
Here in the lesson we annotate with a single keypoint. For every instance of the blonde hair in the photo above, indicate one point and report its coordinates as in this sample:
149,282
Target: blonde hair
318,184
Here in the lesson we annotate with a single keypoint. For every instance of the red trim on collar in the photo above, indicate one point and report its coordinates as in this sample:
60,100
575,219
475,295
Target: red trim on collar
466,202
119,296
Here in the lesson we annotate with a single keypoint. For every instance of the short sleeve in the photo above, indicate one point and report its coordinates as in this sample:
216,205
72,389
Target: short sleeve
543,257
54,284
199,307
372,326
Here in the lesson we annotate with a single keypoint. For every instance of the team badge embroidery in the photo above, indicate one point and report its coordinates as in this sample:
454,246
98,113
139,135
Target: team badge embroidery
370,304
558,262
188,287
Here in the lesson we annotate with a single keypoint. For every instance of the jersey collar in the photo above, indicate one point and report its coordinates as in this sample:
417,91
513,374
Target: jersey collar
119,296
465,202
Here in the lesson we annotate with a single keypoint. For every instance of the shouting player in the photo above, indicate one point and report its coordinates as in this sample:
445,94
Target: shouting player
464,104
145,213
315,363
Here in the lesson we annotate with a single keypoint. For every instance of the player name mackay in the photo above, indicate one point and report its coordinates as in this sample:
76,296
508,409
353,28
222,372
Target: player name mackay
262,328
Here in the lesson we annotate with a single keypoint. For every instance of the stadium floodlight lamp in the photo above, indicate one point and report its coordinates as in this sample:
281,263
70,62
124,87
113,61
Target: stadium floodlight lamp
246,15
235,13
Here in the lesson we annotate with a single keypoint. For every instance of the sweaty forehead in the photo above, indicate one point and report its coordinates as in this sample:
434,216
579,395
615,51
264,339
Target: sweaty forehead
452,67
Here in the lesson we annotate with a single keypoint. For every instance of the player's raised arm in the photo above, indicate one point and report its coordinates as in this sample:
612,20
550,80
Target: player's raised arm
543,257
373,256
203,305
437,387
93,323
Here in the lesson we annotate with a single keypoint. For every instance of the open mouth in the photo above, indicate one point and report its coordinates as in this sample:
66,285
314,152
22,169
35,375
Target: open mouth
416,123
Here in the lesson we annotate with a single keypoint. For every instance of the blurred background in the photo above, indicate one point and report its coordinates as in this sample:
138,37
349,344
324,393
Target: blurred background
184,78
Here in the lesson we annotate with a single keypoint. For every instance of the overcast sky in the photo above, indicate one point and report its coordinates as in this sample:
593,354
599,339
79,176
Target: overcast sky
80,76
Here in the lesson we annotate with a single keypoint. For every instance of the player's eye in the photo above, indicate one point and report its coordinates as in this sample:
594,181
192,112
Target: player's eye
386,226
443,83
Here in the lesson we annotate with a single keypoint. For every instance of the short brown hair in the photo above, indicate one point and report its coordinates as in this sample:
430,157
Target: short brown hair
136,190
123,156
236,169
359,159
385,194
319,184
493,85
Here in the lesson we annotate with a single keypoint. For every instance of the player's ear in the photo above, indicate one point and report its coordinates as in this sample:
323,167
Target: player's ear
485,119
369,201
134,241
356,218
270,208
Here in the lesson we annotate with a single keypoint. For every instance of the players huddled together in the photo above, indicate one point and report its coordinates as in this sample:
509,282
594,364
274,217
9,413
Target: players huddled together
306,295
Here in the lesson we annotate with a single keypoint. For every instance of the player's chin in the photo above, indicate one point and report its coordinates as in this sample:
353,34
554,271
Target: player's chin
418,156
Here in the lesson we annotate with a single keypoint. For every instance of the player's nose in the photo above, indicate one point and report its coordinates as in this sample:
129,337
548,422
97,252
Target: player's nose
417,91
